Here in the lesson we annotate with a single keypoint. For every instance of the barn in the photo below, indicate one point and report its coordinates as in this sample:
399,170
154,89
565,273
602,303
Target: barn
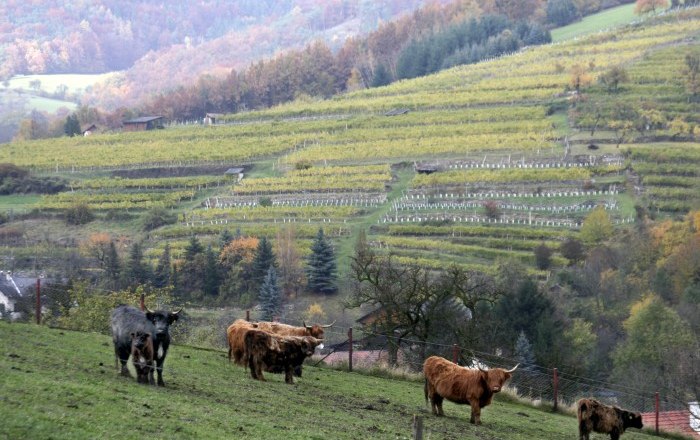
143,123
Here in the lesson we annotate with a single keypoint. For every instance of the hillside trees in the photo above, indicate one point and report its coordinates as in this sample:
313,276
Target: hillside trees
659,352
561,12
321,267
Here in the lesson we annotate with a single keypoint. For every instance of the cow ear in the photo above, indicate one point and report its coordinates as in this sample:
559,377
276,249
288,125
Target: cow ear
150,316
172,318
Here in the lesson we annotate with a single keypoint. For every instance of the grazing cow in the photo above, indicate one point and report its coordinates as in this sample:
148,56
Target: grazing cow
474,387
127,320
595,416
269,352
235,333
142,356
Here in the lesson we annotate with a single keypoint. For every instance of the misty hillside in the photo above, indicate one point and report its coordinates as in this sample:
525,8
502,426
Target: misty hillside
97,36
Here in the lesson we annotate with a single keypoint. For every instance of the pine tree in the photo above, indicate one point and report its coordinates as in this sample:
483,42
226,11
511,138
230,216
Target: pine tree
321,270
162,275
225,238
72,126
264,258
137,272
270,296
193,248
212,275
112,264
523,352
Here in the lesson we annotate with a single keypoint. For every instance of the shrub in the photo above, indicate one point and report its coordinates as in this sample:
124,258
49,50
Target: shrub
79,214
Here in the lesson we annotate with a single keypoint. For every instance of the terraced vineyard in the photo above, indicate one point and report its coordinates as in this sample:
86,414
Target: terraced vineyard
469,165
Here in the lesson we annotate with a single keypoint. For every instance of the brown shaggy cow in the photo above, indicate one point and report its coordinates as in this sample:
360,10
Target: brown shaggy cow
269,352
474,387
142,356
235,334
277,328
595,416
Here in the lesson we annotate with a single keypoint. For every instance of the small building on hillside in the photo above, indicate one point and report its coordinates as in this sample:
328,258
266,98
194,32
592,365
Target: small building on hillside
11,289
234,173
88,129
143,123
210,118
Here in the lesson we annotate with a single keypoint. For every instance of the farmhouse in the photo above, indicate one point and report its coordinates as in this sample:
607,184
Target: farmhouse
11,289
143,123
234,173
88,129
210,118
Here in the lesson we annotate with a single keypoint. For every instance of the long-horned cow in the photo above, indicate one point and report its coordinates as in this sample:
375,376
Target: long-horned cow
474,387
126,320
595,416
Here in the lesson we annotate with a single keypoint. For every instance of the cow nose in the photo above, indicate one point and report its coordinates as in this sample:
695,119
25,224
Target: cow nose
497,388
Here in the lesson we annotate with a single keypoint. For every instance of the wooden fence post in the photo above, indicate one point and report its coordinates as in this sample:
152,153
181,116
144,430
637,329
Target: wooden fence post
656,412
143,302
38,301
350,349
455,353
247,315
417,427
555,383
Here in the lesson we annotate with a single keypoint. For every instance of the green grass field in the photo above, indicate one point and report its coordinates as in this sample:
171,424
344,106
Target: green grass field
605,20
62,385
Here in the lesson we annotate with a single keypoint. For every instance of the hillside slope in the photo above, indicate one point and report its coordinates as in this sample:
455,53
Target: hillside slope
61,384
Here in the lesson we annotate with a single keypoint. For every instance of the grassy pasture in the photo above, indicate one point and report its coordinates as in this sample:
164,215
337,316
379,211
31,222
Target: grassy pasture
604,20
62,384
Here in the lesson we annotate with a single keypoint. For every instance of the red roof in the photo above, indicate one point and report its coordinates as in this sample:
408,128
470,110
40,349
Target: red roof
671,421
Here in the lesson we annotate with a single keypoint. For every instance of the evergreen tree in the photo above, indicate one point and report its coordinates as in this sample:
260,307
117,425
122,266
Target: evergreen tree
321,270
264,258
112,264
561,12
193,248
523,352
72,126
212,275
136,272
225,238
270,296
381,77
162,277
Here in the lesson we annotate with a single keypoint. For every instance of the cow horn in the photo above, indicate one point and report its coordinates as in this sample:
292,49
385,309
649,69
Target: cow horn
148,310
513,369
329,325
175,313
481,369
306,326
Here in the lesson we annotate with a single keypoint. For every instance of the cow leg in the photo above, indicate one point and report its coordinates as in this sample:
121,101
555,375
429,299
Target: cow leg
159,370
437,405
289,374
252,367
614,434
583,431
151,367
476,412
122,356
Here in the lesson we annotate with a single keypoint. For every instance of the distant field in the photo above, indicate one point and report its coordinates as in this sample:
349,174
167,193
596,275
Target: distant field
75,84
593,23
18,202
49,83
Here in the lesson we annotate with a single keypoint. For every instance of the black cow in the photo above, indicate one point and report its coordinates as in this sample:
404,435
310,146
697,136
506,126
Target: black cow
127,320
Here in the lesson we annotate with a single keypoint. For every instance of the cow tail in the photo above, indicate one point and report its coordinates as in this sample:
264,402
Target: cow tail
425,390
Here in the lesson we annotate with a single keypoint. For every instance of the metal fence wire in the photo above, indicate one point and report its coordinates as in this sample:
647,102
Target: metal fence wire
543,386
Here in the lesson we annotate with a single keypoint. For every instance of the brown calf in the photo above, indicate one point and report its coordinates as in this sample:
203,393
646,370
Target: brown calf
142,355
474,387
595,416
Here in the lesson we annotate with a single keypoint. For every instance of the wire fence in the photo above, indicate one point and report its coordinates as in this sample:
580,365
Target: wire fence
661,411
